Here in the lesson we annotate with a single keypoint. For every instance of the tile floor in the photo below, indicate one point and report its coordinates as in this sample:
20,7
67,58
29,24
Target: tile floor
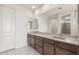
21,51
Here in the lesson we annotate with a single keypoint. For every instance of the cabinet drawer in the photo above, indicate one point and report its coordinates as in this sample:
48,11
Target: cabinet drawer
38,38
46,44
46,40
39,42
66,46
40,49
32,36
61,51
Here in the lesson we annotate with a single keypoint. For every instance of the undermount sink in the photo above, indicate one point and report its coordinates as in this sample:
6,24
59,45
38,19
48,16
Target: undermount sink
58,37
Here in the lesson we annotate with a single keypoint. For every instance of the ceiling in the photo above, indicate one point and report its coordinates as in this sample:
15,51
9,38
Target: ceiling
29,6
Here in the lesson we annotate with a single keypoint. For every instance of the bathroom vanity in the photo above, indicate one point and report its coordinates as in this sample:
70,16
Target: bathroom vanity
48,44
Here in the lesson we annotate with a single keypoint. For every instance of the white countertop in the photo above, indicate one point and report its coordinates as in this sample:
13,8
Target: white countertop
70,40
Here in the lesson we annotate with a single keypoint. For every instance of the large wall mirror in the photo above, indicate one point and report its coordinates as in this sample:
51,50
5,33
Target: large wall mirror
66,24
30,24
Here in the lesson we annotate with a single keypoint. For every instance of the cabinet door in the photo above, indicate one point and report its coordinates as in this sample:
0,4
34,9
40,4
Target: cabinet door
61,51
28,39
77,50
32,41
48,49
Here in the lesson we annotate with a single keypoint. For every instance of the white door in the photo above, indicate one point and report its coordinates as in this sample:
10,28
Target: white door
6,28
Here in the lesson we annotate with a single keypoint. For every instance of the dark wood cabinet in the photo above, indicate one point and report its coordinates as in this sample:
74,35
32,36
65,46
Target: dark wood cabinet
50,46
